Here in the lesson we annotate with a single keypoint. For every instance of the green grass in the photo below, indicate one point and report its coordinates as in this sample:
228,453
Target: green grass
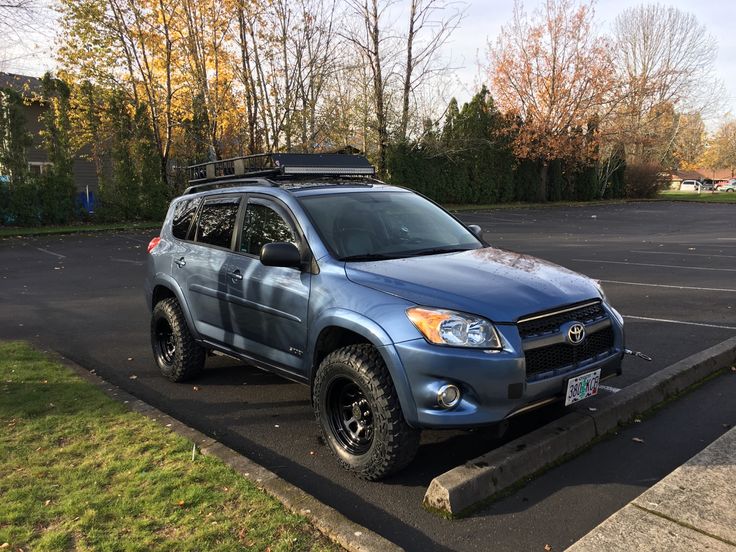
15,231
703,197
80,472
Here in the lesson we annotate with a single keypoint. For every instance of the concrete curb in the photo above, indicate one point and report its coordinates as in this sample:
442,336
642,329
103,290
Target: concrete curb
331,523
462,488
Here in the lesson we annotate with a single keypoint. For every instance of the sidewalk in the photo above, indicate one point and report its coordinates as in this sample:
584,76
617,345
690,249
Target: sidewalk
693,508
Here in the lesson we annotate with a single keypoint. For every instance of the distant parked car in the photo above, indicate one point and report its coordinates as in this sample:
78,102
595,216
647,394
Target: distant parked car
707,185
690,186
722,185
730,187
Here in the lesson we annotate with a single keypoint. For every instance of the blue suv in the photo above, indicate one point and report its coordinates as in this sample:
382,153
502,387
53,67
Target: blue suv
397,315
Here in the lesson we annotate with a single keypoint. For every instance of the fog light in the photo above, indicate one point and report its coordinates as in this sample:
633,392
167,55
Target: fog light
448,396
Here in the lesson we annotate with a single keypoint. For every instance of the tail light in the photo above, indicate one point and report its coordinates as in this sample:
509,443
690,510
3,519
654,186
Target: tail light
153,243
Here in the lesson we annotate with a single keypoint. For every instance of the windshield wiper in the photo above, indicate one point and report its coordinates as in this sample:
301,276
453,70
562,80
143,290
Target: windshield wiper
368,257
436,251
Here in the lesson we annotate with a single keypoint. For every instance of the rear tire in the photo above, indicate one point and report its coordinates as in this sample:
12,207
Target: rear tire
178,355
358,411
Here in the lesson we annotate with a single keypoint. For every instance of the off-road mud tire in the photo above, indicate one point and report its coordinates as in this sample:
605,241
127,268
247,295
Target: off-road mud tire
394,443
187,358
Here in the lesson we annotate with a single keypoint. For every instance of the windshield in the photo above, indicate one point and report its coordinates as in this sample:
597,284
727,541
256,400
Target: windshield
364,226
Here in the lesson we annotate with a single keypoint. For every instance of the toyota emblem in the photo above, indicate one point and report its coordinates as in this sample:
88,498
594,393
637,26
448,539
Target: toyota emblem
576,333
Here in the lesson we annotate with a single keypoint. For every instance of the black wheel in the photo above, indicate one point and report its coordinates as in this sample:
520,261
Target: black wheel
178,356
359,414
729,190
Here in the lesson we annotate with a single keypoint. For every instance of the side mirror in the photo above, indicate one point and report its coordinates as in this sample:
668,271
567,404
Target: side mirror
476,230
281,254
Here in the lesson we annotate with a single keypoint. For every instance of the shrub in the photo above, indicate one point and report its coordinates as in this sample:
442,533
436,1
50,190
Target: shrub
643,180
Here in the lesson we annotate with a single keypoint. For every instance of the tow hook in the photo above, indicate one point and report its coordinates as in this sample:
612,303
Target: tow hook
638,354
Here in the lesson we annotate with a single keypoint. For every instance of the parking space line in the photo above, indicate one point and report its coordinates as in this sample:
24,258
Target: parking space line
118,260
58,255
655,265
609,388
647,319
668,286
682,253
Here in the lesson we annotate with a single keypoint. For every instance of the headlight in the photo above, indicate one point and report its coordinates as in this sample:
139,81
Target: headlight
445,327
600,290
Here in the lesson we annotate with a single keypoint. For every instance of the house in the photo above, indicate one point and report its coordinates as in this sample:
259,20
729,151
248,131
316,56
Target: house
716,175
85,174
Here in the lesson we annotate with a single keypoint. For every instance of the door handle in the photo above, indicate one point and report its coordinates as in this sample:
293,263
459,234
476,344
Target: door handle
235,275
180,262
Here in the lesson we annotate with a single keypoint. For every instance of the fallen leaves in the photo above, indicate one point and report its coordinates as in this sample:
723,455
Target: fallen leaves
133,377
637,439
548,547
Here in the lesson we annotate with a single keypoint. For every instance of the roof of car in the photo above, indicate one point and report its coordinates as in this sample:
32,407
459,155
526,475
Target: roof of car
298,188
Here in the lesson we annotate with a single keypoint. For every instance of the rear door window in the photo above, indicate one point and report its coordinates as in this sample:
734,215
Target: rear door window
216,223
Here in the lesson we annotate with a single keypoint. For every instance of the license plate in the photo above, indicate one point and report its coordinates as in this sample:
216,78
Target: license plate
582,387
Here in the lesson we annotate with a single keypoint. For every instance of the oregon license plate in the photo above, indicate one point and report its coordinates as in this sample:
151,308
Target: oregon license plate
582,387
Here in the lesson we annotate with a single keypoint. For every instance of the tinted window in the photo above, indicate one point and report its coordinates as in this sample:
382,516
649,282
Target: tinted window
217,221
184,213
263,225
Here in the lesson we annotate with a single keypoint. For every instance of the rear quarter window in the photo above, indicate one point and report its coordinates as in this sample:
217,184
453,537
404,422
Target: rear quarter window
184,213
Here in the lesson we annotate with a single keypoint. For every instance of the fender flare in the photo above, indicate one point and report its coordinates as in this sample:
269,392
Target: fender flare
165,280
376,336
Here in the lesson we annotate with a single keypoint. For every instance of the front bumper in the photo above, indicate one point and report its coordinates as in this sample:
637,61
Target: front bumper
494,384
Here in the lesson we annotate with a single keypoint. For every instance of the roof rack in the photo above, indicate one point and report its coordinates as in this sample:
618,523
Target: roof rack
280,164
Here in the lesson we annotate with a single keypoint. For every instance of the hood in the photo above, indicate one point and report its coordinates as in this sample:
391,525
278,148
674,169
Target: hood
497,284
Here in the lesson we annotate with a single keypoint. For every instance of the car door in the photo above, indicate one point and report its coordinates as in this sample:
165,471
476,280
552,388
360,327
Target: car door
200,267
268,304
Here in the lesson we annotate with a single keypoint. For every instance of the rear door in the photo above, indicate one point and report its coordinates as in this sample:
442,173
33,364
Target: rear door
268,304
200,268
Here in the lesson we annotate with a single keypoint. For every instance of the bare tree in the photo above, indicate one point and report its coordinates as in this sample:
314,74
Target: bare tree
431,23
205,62
375,48
662,56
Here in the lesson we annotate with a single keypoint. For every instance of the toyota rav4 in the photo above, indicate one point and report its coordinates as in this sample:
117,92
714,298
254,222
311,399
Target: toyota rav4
397,315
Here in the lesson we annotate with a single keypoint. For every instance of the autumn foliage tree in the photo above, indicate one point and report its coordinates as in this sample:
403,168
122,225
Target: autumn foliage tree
721,151
551,71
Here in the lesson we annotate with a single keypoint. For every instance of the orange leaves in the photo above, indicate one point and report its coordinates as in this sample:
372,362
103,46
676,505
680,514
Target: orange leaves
554,72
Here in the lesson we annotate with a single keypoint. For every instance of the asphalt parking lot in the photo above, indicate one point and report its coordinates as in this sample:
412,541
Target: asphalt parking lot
669,268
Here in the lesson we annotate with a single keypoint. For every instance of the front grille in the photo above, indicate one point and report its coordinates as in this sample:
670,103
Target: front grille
565,356
542,325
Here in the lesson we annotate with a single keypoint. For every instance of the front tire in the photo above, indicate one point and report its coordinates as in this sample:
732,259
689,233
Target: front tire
178,355
358,411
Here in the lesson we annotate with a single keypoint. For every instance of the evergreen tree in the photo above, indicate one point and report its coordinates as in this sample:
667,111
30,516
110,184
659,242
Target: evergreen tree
58,189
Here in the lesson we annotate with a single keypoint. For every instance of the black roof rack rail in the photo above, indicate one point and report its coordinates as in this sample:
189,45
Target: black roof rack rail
280,165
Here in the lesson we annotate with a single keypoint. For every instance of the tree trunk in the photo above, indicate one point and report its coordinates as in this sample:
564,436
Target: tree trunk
543,179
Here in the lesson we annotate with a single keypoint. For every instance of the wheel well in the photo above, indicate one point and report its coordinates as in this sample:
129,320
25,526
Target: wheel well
333,338
160,293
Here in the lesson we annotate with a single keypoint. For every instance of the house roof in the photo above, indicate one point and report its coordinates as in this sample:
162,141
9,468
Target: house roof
26,85
700,174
